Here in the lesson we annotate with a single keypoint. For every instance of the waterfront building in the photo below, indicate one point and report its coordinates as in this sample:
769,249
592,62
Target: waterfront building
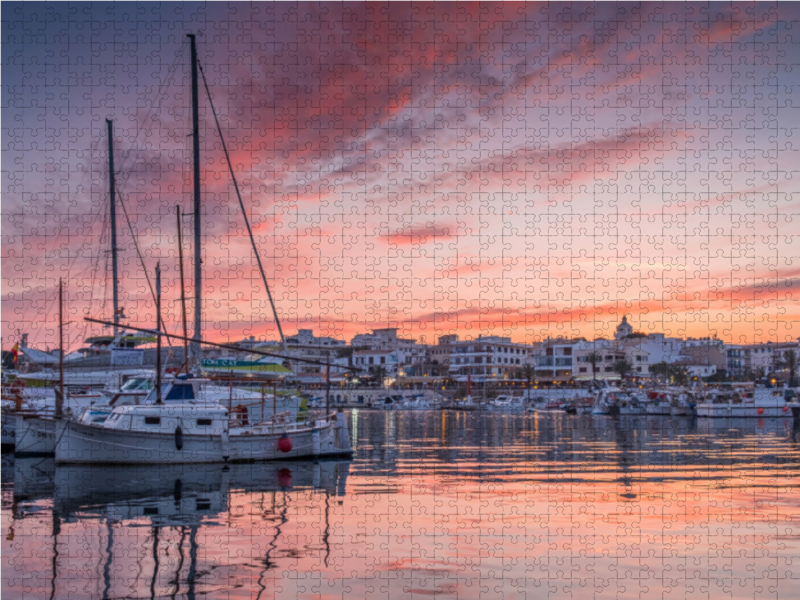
371,361
412,355
487,356
608,353
755,358
439,354
554,359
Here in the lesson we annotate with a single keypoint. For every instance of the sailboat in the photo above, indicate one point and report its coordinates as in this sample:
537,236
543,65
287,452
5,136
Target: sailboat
28,424
180,426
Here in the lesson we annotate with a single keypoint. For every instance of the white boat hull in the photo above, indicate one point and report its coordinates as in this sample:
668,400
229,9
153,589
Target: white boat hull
632,410
86,378
90,443
8,424
741,410
37,436
659,409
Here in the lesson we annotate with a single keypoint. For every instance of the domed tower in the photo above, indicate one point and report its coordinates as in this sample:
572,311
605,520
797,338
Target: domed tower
623,329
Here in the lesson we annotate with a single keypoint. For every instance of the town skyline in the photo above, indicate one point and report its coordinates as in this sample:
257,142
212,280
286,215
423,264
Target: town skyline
516,170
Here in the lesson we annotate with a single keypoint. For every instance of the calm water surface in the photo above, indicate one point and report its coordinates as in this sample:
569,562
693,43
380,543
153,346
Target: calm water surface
443,504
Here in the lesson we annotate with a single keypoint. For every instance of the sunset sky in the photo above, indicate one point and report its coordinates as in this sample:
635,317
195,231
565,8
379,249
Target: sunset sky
521,170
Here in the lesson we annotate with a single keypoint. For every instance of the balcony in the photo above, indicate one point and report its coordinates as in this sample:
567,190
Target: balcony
554,361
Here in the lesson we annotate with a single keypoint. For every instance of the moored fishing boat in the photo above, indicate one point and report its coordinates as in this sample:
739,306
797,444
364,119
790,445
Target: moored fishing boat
606,402
683,405
35,434
507,404
746,402
630,405
194,432
417,402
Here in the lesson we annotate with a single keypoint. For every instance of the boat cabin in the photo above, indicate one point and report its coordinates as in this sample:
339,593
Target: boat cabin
166,418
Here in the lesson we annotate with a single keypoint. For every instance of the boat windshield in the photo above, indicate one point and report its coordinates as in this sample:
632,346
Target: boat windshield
137,384
151,397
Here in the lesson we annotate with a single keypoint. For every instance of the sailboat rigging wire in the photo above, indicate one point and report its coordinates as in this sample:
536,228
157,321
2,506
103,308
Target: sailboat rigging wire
160,95
241,205
141,262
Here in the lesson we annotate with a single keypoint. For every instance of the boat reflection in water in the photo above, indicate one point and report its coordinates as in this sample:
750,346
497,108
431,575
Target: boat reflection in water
450,503
97,514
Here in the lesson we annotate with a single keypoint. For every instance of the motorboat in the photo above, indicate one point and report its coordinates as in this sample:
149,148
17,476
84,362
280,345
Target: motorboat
606,401
507,404
659,404
417,402
683,405
745,402
391,402
75,381
631,405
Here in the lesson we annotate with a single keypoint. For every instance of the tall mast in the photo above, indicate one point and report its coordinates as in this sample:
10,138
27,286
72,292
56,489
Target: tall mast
113,218
158,333
60,394
183,295
198,271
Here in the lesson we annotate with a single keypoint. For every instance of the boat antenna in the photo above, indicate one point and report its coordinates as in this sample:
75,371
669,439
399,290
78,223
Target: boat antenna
183,295
198,267
244,212
113,219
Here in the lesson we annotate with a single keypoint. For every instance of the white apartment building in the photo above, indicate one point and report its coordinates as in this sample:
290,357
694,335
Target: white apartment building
306,337
370,360
486,357
555,359
756,357
412,354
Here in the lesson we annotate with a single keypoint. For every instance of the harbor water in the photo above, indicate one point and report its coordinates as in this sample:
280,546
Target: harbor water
446,504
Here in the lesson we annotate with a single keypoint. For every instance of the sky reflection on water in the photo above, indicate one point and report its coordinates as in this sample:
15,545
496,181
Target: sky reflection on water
439,504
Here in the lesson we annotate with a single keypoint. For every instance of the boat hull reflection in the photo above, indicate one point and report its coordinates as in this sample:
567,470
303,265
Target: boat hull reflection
168,493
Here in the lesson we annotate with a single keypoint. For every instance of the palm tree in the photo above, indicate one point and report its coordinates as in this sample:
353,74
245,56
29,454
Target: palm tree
662,369
788,361
623,367
593,358
380,374
528,373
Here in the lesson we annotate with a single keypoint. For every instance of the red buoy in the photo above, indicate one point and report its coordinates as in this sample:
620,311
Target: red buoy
285,443
761,411
285,477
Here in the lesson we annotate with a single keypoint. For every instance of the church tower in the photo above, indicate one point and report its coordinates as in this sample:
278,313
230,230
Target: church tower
623,329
